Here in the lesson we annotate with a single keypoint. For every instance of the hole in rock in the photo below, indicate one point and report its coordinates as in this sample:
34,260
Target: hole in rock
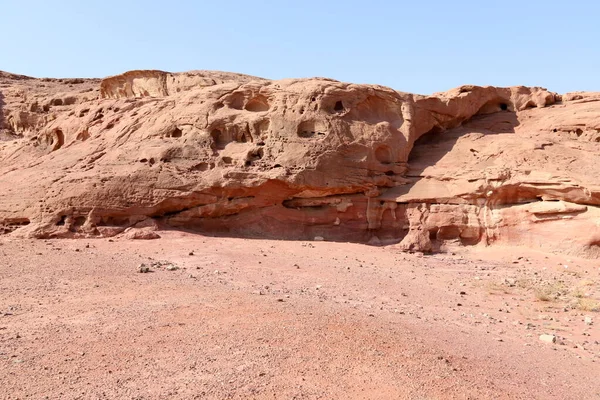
389,173
258,104
200,167
494,106
578,132
79,221
219,139
339,106
383,154
255,154
62,220
308,129
176,133
114,221
57,140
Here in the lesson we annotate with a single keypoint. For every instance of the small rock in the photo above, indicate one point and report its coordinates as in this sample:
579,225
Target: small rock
510,282
143,268
172,267
191,253
548,338
319,238
588,320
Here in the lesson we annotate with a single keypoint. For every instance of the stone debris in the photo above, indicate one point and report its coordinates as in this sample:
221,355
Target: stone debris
548,338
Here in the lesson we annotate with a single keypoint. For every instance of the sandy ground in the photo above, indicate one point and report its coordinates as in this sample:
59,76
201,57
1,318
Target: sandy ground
237,318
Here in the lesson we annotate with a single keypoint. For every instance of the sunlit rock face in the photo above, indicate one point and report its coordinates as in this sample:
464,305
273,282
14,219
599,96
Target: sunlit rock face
230,154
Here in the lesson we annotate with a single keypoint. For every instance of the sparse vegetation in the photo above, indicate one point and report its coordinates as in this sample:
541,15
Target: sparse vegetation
548,292
587,304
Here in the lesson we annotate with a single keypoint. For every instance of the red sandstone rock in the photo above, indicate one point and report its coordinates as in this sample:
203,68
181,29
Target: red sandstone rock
299,158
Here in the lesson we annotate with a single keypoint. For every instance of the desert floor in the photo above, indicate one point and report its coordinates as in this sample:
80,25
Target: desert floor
221,318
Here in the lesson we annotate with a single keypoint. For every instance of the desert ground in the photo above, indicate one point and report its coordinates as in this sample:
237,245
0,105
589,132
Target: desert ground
189,316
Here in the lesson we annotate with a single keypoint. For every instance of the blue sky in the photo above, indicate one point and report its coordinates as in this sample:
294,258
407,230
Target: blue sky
414,46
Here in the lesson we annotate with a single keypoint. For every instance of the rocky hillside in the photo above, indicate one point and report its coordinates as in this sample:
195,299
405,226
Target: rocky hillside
231,154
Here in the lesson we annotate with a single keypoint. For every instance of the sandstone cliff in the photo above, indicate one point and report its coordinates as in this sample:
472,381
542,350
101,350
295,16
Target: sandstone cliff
231,154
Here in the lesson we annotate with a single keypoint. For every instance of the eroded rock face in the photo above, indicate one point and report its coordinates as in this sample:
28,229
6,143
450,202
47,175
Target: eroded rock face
231,154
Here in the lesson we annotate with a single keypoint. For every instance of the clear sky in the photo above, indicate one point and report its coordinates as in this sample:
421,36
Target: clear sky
415,46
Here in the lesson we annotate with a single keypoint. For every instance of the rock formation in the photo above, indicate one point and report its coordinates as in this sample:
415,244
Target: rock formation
231,154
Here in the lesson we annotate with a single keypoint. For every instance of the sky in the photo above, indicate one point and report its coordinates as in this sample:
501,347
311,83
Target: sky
414,46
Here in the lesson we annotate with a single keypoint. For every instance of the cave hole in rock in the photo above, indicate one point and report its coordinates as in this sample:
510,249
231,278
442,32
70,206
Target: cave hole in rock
57,139
448,232
428,138
219,138
19,222
308,129
114,221
494,106
389,173
254,155
339,106
203,166
79,221
99,115
578,132
176,133
62,220
383,154
258,104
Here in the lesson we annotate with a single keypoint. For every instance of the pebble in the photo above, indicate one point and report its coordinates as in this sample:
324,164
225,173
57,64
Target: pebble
143,268
588,320
548,338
